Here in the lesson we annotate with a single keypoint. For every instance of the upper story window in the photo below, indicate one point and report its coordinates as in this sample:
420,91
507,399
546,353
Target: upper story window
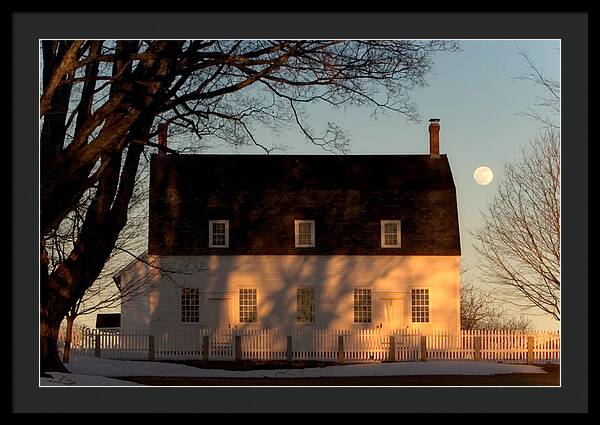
390,233
218,233
190,305
305,233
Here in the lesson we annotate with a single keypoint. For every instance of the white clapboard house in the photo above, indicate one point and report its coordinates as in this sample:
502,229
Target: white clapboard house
295,242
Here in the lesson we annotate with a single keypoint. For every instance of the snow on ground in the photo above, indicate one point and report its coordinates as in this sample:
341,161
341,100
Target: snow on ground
66,379
122,368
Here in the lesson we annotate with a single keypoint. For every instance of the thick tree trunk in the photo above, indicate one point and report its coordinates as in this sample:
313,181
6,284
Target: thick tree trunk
68,337
124,125
68,282
49,358
50,318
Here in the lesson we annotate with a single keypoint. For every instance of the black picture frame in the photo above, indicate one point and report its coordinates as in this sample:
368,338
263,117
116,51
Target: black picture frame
28,28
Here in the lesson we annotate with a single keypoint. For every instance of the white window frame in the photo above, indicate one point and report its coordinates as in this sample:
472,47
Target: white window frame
413,305
297,233
197,306
255,307
210,233
357,314
398,227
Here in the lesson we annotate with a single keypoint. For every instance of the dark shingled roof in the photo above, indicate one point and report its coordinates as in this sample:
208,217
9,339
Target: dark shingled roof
108,320
262,195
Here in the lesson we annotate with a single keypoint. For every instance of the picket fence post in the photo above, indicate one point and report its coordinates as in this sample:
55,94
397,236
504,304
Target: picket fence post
477,347
238,348
290,349
530,343
392,354
151,348
97,349
341,349
205,342
423,348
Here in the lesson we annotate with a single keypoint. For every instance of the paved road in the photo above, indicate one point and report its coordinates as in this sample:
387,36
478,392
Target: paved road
552,378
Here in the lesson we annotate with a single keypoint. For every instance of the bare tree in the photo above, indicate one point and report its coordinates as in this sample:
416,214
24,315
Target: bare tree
102,101
103,293
519,241
480,310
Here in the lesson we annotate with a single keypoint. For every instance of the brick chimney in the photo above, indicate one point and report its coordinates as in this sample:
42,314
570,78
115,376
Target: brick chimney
162,138
434,137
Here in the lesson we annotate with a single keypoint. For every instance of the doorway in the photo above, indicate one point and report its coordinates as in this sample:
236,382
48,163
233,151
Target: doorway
218,313
392,313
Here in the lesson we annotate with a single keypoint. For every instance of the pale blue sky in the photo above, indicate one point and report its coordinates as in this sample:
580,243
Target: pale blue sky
475,95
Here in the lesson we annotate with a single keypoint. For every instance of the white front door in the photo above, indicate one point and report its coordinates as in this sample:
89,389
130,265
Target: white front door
217,313
392,313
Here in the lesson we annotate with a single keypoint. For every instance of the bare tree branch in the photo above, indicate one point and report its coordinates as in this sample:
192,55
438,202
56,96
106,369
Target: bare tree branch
546,109
519,241
479,309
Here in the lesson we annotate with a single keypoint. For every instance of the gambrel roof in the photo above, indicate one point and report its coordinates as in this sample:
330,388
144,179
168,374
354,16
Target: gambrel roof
262,195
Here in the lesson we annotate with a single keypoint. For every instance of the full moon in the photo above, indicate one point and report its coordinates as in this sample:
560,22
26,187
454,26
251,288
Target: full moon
483,175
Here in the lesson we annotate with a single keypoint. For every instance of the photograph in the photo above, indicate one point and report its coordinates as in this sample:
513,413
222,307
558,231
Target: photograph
299,212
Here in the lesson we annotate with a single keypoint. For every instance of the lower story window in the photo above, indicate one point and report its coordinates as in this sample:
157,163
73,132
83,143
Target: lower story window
362,305
248,310
190,305
305,305
420,305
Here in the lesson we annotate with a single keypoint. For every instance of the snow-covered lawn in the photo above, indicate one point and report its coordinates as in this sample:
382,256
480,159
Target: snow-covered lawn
81,380
82,366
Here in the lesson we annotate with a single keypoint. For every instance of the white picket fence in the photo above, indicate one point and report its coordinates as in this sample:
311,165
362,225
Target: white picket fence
322,345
